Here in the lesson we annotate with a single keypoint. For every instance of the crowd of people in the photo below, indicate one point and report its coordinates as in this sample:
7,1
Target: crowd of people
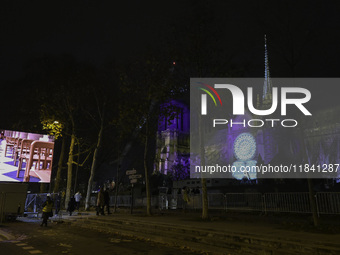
47,206
103,201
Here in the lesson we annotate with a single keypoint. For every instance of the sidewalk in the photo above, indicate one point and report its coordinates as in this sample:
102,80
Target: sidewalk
235,222
243,233
245,230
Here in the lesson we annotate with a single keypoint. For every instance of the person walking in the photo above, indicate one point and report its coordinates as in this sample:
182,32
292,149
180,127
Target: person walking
63,197
107,200
71,205
47,210
100,202
77,197
186,198
57,203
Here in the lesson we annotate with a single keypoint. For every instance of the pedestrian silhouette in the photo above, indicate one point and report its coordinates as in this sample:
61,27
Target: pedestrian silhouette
71,205
47,210
100,202
107,200
57,203
77,197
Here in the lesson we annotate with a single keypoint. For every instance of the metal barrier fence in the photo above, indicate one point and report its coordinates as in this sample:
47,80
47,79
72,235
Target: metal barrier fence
244,201
215,201
34,201
121,200
287,202
327,202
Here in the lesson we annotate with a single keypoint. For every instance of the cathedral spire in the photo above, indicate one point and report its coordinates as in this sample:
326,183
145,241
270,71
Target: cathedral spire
267,84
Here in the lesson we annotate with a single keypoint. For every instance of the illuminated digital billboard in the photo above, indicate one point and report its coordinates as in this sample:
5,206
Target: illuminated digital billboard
25,157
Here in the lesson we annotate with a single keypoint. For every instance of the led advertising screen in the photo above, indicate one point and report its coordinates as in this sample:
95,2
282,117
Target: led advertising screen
25,157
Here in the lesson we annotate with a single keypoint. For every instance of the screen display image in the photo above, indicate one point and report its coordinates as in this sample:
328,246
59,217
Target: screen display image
25,157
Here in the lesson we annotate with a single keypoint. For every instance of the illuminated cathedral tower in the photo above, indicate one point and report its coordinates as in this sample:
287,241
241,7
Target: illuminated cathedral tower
260,142
267,144
267,85
173,139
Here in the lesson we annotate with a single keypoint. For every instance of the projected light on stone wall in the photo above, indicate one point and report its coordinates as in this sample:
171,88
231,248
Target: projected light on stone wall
244,147
244,151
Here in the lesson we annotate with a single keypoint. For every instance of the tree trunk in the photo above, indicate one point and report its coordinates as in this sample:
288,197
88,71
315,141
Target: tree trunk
147,184
69,170
313,202
310,181
205,213
117,182
205,206
60,165
93,168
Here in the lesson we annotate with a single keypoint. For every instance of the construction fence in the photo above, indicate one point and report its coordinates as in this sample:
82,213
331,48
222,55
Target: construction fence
34,202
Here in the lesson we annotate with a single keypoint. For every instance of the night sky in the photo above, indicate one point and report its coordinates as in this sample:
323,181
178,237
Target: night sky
94,31
90,30
302,36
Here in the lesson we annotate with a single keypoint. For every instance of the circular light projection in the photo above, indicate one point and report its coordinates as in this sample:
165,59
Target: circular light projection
244,147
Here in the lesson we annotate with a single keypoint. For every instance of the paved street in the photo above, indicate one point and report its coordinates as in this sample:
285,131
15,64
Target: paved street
231,233
65,239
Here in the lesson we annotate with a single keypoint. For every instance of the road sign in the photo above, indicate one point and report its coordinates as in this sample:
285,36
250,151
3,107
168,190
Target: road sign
128,172
133,181
135,176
